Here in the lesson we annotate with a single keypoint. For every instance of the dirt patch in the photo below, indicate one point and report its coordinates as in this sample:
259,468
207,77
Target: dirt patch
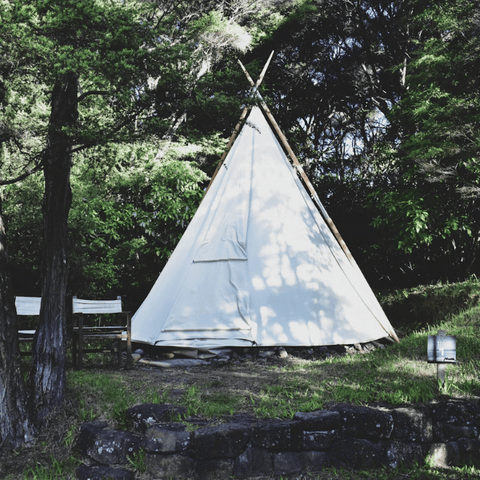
244,377
247,378
244,380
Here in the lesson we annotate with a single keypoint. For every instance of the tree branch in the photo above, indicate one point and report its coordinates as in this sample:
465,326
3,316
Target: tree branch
104,138
91,92
23,176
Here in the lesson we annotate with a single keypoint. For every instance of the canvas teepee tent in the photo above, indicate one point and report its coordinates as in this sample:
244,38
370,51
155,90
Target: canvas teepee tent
258,265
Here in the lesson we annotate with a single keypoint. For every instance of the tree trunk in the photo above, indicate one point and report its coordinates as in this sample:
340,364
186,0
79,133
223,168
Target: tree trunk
47,376
15,427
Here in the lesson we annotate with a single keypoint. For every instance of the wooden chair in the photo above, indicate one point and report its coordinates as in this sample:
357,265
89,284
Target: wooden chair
26,307
81,332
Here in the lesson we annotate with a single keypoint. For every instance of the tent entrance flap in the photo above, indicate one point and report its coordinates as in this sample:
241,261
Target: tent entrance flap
215,298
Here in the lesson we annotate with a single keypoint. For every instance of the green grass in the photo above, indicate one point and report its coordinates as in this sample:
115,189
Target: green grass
427,305
396,375
109,395
417,473
199,401
57,470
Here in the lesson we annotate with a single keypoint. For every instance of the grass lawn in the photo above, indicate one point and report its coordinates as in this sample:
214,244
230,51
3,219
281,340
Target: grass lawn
396,375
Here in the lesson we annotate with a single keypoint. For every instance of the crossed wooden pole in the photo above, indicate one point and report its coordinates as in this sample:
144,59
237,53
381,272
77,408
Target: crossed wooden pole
293,158
287,147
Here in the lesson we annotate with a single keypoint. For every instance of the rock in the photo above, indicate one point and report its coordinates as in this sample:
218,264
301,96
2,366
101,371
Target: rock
143,416
169,466
448,432
443,455
397,454
320,428
368,347
223,353
213,469
374,424
87,435
469,452
267,354
281,352
167,439
347,436
412,425
253,462
321,420
291,463
358,453
455,412
222,441
278,435
107,446
95,472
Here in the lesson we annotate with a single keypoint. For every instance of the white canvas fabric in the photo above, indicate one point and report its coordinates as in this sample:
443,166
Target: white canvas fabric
258,265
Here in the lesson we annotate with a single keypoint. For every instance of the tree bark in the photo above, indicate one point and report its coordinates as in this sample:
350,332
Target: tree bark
16,428
48,374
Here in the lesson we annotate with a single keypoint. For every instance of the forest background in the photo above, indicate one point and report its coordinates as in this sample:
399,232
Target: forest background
113,116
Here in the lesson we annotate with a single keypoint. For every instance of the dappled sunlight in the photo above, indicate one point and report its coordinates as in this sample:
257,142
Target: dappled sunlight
258,265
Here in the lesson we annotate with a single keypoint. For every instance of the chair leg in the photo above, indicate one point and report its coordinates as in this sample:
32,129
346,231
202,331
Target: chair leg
119,353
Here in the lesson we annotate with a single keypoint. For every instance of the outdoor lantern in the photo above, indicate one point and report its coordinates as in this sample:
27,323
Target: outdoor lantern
441,349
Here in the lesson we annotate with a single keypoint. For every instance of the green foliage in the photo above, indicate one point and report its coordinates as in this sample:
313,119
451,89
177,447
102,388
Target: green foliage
126,221
431,210
443,95
58,470
142,69
22,210
409,214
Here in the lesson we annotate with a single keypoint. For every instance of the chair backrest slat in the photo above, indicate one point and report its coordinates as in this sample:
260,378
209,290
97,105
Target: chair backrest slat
28,305
96,306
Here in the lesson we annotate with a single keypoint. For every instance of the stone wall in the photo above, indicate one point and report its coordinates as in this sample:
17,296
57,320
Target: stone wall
356,437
